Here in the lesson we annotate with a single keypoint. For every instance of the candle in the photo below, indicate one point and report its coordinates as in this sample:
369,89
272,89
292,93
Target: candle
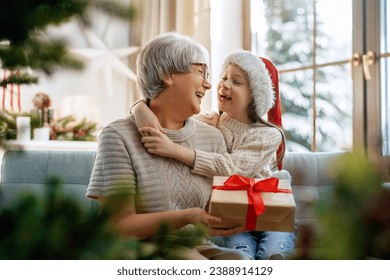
23,127
11,102
18,75
42,133
4,88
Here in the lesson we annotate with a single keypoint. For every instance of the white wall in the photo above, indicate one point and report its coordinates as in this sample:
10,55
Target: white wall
105,87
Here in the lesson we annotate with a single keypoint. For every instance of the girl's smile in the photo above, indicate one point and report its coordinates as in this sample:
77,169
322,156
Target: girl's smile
234,95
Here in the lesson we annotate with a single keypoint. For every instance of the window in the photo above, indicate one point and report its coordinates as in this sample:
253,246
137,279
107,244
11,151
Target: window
310,42
371,82
333,57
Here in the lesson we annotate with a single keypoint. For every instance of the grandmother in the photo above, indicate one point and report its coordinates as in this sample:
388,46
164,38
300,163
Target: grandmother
141,190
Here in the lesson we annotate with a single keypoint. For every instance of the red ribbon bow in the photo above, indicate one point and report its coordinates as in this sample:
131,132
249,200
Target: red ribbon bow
255,201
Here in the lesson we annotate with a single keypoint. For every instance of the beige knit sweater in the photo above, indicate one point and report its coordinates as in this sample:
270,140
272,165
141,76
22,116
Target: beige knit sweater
123,166
250,152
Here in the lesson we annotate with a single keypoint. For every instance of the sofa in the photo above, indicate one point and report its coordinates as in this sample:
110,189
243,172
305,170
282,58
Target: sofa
27,171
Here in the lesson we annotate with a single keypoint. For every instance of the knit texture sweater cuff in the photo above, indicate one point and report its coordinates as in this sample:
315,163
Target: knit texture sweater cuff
203,164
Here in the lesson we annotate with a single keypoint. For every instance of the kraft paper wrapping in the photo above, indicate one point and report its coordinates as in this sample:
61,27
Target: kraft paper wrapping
231,206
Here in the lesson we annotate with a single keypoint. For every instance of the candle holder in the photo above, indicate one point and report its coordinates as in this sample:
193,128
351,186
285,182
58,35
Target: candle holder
42,104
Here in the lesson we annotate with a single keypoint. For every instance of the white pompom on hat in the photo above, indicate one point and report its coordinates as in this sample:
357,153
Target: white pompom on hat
259,79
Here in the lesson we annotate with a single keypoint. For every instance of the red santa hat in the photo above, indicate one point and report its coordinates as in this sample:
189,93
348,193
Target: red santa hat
275,113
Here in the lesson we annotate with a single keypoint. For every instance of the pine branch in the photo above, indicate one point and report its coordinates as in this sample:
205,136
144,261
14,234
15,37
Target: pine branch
21,78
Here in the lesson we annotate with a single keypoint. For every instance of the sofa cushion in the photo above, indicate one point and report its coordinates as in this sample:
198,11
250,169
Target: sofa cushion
311,181
27,171
311,176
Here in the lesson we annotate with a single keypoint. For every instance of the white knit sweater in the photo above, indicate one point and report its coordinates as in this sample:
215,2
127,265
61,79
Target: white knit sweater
250,152
123,166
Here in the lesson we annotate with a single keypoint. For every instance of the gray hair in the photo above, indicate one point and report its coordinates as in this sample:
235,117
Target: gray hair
164,55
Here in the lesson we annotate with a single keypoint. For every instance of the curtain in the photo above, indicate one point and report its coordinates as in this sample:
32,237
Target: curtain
189,17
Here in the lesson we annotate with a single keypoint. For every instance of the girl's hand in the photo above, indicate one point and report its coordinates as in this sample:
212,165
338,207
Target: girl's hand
145,117
155,142
197,215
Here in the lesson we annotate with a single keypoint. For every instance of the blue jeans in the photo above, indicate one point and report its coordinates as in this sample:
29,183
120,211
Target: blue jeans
261,245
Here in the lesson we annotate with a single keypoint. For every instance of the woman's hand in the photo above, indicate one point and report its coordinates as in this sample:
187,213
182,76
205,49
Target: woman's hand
197,215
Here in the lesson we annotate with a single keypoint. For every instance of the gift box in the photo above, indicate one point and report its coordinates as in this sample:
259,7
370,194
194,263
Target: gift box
255,204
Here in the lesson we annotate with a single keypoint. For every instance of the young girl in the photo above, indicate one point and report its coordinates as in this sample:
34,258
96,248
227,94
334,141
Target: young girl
245,94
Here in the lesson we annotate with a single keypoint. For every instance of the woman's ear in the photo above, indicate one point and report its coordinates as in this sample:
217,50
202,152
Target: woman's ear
168,80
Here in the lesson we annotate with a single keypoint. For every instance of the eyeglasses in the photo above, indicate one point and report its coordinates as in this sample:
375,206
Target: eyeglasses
206,73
